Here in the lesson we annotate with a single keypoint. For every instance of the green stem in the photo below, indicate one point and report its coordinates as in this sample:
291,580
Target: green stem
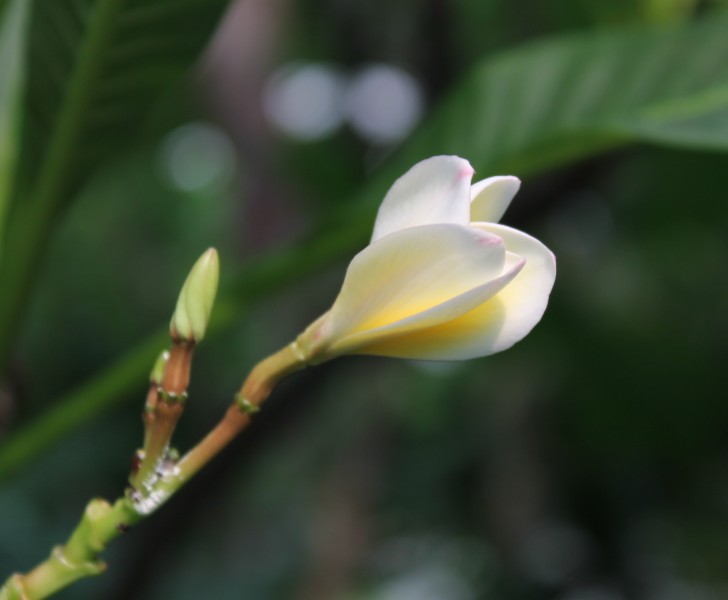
102,522
79,557
168,408
257,387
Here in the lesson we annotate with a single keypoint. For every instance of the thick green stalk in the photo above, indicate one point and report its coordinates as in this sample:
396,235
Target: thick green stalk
79,557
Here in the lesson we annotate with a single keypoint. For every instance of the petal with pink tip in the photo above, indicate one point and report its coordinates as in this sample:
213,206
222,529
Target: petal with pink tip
496,324
436,190
490,198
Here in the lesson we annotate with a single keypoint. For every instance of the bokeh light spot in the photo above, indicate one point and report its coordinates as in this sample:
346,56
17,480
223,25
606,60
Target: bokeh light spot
383,103
305,101
197,156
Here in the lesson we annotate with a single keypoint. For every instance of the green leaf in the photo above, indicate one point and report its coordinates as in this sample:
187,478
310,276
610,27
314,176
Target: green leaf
560,100
12,79
523,111
97,71
699,121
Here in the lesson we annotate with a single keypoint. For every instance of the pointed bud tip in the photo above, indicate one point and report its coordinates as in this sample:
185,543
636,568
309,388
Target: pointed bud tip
196,298
210,254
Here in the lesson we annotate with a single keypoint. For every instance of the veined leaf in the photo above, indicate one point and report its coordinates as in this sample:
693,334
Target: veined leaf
699,121
12,78
559,100
96,69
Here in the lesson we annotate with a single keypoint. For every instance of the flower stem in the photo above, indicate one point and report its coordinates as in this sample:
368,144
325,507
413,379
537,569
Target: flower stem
162,411
256,389
102,522
78,558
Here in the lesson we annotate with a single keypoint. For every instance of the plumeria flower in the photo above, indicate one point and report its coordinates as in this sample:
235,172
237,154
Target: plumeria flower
440,279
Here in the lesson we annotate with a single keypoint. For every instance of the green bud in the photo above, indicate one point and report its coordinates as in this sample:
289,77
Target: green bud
158,369
195,301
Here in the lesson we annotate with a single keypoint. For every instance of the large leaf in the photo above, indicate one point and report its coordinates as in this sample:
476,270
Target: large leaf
523,111
97,70
560,100
12,77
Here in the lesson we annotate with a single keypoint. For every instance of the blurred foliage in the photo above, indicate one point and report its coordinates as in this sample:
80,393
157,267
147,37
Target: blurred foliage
96,70
587,463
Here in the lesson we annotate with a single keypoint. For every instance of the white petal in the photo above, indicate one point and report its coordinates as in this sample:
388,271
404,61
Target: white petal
362,342
436,190
495,325
409,272
490,198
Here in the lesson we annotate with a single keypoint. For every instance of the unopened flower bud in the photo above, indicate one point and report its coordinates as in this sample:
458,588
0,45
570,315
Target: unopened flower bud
195,301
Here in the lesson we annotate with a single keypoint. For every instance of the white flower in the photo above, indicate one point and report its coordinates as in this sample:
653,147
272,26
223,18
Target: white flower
440,279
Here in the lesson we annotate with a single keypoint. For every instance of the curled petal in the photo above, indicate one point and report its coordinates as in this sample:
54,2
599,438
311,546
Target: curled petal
376,341
496,324
490,198
436,190
408,273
